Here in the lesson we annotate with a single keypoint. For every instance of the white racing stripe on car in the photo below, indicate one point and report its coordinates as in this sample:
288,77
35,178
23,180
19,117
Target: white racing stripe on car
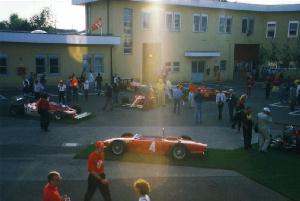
82,115
2,97
295,113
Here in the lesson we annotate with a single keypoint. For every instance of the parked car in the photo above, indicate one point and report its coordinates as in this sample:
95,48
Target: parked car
27,105
176,147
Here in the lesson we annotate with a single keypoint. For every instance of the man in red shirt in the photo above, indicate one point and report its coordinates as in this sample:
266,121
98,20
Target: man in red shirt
50,191
96,177
43,109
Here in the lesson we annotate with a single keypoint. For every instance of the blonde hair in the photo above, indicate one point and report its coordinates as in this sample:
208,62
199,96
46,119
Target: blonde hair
141,186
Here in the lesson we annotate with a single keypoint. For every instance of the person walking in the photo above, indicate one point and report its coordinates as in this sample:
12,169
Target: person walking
115,93
247,127
108,97
160,88
97,178
268,87
198,106
99,80
61,91
51,191
86,86
292,97
75,86
220,100
177,96
264,120
249,85
69,90
231,102
43,110
37,89
142,188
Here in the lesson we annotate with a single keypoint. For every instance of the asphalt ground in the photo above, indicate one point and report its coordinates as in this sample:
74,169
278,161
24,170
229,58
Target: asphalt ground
28,154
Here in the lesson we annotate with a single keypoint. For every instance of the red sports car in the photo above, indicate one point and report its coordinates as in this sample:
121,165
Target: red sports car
176,147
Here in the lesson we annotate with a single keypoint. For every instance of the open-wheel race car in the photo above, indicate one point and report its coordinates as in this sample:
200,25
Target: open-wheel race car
176,147
208,93
27,105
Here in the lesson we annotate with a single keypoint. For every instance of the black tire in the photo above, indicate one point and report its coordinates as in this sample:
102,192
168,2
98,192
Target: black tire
185,137
118,147
179,152
57,116
127,135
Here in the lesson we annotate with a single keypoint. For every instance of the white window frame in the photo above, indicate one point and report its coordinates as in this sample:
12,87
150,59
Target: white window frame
294,22
175,67
171,26
203,15
48,68
101,66
144,13
267,29
226,24
5,57
42,56
200,22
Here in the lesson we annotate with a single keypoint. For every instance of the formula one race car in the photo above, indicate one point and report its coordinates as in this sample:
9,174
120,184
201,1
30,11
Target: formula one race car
208,93
176,147
21,105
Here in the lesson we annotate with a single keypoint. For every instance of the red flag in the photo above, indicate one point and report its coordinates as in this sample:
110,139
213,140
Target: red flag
97,25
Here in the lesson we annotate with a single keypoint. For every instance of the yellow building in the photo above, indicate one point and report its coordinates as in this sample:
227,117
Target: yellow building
192,40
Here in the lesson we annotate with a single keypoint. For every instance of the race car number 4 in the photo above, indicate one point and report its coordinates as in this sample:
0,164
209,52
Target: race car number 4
152,146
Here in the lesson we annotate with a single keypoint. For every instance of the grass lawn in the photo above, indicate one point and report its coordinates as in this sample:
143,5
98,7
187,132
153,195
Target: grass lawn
277,169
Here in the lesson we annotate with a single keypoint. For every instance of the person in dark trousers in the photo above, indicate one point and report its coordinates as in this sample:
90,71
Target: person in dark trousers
69,90
220,100
247,127
177,97
115,93
198,106
108,97
268,88
43,109
231,102
96,178
61,91
239,112
99,83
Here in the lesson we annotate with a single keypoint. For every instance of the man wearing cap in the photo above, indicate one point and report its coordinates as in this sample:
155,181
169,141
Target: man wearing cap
50,191
220,100
264,123
198,106
96,178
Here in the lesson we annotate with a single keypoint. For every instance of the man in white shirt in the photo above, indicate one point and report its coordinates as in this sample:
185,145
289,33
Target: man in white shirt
220,100
86,86
61,91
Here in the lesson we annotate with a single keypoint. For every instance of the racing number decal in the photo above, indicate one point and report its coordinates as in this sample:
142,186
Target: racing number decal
152,146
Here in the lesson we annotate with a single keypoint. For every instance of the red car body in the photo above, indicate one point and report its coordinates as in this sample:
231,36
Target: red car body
177,147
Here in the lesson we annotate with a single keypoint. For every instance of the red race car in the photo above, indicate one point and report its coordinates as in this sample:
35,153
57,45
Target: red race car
176,147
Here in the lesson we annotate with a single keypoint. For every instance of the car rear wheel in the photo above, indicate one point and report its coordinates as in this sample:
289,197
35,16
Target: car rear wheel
57,115
179,152
118,147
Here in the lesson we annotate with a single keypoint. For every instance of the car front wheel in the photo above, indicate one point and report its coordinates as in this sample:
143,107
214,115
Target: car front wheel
179,152
118,147
57,115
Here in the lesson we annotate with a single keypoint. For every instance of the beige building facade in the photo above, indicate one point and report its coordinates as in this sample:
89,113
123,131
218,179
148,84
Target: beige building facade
190,40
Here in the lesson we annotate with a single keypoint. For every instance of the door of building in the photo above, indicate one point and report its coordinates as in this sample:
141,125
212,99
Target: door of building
151,62
198,71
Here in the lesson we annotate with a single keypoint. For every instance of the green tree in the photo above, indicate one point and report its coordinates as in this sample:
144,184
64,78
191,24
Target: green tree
286,55
274,53
296,54
263,55
44,20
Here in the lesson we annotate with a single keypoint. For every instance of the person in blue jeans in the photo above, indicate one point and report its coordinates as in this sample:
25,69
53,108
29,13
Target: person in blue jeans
177,96
198,106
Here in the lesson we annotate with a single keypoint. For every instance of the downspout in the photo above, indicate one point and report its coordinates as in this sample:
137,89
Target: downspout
108,33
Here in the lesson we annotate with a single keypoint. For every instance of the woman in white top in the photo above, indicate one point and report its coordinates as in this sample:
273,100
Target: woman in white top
142,188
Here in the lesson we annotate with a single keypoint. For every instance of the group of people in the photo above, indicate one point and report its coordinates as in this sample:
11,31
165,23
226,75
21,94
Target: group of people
31,85
96,180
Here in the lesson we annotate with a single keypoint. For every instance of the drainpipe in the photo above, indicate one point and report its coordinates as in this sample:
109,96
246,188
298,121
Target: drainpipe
107,17
111,64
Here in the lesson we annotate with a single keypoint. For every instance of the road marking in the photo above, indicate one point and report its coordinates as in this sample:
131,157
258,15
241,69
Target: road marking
52,94
295,113
70,144
2,97
279,104
90,93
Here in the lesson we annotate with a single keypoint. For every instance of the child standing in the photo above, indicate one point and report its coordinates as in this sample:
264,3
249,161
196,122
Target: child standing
142,188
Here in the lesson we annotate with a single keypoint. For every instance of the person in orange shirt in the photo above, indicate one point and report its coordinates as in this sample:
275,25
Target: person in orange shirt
50,191
96,178
43,109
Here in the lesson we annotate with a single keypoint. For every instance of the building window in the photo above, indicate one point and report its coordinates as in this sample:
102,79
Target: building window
40,64
223,65
176,66
98,64
173,21
200,22
146,20
53,64
225,24
198,66
247,25
3,65
172,66
127,22
293,29
271,30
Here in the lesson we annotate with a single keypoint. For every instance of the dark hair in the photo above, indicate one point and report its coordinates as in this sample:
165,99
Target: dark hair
52,174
